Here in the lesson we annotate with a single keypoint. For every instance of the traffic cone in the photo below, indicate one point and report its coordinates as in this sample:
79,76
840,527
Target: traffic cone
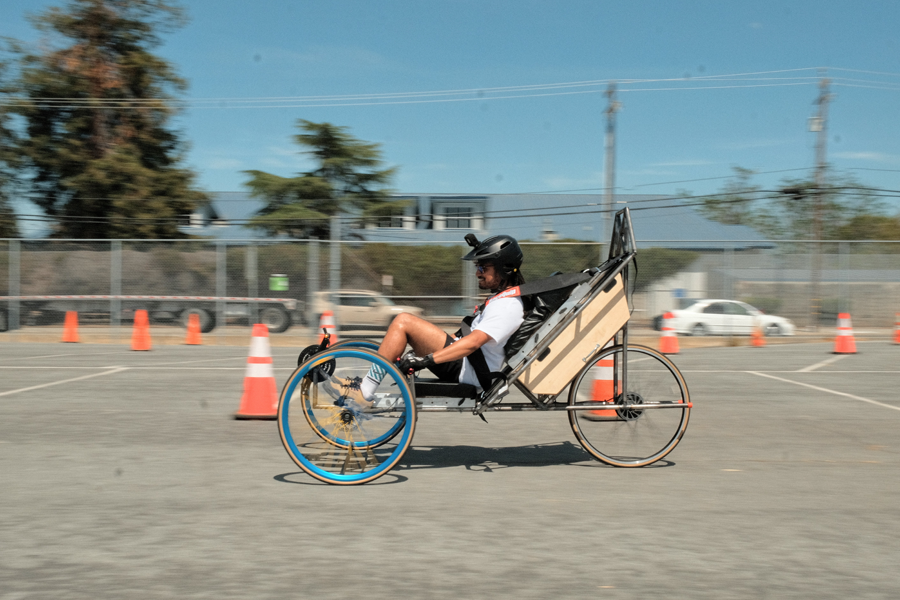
844,342
260,399
668,341
603,391
193,330
756,338
897,329
140,335
328,324
70,328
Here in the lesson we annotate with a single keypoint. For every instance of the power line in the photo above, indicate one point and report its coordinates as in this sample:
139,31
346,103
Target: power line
660,203
418,97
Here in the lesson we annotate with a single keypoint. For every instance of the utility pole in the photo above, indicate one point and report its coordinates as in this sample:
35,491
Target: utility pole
819,124
610,168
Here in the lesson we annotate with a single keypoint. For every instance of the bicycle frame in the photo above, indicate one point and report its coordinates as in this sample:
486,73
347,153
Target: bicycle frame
621,256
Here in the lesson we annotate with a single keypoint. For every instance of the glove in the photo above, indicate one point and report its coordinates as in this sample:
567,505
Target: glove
409,362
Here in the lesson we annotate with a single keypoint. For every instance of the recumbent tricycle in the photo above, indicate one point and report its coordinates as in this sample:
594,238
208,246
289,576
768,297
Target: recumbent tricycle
628,405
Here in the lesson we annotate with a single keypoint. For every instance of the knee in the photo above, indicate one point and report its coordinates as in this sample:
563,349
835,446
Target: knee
403,321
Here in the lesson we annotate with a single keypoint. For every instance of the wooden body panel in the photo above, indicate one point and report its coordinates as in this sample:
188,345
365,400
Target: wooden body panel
590,331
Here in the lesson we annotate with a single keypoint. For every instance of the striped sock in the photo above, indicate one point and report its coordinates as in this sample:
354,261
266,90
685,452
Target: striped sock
372,380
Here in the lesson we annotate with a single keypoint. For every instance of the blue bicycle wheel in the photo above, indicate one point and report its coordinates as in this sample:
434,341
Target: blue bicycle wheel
335,434
364,344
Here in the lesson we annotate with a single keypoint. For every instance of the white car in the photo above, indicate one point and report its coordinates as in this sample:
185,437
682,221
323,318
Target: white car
359,309
726,317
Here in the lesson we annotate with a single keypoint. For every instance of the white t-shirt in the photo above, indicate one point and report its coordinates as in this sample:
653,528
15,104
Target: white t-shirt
499,319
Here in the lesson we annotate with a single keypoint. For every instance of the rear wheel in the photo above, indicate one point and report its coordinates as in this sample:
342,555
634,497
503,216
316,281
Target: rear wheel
610,423
206,318
698,329
275,318
334,434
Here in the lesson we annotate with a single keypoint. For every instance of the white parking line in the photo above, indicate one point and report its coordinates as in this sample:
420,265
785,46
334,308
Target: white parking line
827,391
825,362
79,354
43,385
191,362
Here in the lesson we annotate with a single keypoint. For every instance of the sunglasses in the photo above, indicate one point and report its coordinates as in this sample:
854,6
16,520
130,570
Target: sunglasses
480,269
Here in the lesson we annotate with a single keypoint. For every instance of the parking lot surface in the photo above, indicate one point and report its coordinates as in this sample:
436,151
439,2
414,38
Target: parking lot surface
124,475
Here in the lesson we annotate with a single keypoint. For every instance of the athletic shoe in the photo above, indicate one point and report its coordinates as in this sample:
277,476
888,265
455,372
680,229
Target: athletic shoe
346,393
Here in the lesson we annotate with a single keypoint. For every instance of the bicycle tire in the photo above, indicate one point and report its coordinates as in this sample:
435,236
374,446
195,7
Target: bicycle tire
629,437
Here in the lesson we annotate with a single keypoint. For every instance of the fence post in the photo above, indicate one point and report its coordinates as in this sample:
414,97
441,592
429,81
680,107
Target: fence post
250,264
469,286
334,280
844,253
312,282
221,276
15,289
729,268
115,287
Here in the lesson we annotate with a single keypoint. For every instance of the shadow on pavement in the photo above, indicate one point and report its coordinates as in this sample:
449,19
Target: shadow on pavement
482,460
476,458
301,478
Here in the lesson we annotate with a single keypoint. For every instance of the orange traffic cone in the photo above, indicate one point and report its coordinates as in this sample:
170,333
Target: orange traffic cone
897,329
140,335
193,330
260,399
756,338
668,341
603,391
328,324
844,342
70,328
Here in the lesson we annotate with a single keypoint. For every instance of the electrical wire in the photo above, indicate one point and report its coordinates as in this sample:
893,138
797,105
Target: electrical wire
419,97
660,203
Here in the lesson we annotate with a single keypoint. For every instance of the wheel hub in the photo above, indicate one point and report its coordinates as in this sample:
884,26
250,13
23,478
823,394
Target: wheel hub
630,414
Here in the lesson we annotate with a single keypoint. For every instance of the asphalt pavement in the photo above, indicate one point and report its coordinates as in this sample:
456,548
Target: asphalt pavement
122,474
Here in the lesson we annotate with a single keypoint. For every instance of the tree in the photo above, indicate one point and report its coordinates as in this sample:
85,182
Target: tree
347,178
789,212
732,205
870,227
98,152
8,226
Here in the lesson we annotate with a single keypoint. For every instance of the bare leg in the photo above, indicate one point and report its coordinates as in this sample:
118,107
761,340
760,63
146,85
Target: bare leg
424,337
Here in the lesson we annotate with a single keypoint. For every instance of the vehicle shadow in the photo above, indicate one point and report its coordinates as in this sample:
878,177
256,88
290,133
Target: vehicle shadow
481,460
487,460
301,478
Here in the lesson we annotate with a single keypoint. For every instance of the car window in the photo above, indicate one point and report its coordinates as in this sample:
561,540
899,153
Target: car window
387,301
356,300
735,309
714,309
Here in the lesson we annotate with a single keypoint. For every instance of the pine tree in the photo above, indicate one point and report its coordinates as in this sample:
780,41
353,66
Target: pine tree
348,178
97,148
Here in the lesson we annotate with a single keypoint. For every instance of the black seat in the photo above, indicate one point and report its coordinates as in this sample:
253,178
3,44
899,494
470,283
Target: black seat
435,388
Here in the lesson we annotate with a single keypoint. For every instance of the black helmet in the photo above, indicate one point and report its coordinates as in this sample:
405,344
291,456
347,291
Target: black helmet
501,250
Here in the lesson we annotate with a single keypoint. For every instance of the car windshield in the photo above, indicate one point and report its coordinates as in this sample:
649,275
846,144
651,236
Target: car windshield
387,300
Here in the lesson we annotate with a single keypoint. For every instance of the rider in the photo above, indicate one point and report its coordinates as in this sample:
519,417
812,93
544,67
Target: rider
497,261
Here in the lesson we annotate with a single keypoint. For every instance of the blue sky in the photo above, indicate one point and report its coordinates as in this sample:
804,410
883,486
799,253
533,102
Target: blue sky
696,123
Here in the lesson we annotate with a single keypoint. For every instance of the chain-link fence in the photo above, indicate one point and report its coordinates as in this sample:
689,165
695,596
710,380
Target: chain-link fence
289,284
